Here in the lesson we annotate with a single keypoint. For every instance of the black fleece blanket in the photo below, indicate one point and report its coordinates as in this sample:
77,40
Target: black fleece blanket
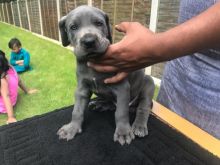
34,142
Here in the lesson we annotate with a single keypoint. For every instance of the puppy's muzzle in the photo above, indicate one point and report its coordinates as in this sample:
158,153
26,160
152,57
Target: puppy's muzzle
88,41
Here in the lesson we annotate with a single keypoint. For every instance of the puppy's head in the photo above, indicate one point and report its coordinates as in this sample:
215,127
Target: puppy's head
87,29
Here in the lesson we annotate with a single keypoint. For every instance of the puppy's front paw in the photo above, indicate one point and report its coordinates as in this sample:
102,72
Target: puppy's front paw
140,129
69,131
123,134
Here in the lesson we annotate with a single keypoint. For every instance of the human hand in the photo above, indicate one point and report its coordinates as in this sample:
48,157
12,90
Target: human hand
31,91
20,62
135,51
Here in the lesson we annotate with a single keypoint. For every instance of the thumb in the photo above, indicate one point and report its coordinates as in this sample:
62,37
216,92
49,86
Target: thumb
122,27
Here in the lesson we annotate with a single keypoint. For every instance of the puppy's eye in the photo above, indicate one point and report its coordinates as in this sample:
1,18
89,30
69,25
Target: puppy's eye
74,27
98,23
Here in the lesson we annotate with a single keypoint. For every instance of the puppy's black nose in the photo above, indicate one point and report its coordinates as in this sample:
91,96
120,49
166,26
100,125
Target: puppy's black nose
88,40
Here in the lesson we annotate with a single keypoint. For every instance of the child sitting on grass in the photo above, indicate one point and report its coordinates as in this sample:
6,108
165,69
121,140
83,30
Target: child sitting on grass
20,58
9,88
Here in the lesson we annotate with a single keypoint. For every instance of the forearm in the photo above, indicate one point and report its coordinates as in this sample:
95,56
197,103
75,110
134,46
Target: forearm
199,33
26,60
13,61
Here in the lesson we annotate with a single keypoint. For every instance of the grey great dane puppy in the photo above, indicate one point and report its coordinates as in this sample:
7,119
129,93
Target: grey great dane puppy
87,29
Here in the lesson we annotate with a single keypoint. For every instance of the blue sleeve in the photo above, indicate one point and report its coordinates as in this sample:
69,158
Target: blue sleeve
26,59
12,59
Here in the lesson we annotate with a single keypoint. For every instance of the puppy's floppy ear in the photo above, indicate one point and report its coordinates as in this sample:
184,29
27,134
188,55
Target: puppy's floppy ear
109,35
63,32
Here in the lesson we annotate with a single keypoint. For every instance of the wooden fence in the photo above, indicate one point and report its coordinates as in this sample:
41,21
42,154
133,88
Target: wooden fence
42,16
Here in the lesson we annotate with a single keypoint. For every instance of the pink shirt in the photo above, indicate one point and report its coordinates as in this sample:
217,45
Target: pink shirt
12,78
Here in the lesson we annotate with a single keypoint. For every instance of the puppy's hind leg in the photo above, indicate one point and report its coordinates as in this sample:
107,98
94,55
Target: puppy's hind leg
139,126
101,104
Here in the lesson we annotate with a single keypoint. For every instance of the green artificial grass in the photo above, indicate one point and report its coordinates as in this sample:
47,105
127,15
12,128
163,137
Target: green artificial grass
53,74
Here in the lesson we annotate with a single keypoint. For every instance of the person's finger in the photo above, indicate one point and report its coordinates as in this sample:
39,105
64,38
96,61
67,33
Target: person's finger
109,62
103,61
118,77
122,27
102,68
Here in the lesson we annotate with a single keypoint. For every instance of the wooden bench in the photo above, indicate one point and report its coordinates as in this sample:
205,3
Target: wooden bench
193,132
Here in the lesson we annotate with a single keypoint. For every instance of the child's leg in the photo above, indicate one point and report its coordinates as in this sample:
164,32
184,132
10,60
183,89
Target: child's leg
6,100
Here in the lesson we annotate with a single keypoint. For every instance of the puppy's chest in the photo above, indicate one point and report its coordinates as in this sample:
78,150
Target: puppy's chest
98,86
94,80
